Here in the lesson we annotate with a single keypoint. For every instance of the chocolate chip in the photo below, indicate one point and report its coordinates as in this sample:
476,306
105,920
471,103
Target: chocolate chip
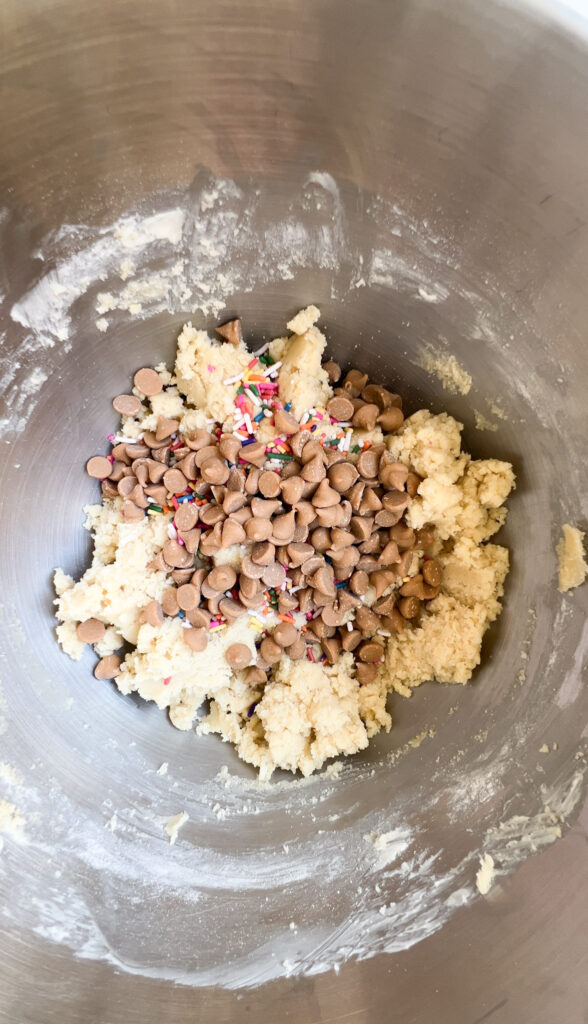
98,467
90,631
148,382
196,639
378,395
127,405
231,332
107,668
238,656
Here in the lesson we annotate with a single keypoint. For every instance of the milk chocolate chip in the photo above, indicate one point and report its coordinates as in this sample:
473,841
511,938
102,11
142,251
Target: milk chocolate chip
90,631
148,382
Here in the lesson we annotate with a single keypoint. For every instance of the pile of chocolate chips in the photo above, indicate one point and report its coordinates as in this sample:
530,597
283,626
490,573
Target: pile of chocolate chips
320,531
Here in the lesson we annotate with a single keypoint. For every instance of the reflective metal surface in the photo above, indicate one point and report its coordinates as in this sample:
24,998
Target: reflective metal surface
470,122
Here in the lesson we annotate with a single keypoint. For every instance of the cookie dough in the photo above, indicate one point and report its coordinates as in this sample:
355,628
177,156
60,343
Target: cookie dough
305,713
572,567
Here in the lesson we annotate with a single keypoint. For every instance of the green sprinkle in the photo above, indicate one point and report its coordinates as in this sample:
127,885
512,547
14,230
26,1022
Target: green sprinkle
156,508
355,448
279,455
253,388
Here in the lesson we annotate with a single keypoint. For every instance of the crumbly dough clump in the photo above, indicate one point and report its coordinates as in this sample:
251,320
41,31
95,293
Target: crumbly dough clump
305,713
572,569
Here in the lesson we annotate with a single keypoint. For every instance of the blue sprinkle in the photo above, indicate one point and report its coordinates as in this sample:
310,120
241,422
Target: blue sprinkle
259,417
250,440
341,584
252,709
288,406
185,497
181,615
313,428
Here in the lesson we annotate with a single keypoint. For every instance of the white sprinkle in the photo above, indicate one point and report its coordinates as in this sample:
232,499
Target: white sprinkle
248,423
341,423
304,419
172,532
294,589
268,413
233,380
253,398
261,350
271,371
350,626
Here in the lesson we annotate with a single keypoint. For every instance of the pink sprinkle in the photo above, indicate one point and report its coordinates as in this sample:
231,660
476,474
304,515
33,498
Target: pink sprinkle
180,541
111,437
311,656
167,681
210,368
110,458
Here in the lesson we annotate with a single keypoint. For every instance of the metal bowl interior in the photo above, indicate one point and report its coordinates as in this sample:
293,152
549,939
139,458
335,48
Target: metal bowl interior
419,173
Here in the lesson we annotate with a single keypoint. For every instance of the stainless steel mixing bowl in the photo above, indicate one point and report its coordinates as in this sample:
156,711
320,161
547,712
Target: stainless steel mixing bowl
418,170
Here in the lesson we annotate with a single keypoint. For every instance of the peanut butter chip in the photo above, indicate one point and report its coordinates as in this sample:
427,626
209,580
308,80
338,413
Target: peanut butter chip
285,422
152,614
342,476
238,656
269,484
175,481
214,471
299,553
169,601
313,470
292,489
148,382
263,509
98,467
367,464
251,569
270,651
324,581
333,370
127,405
230,609
391,419
394,501
340,408
403,535
196,638
254,675
285,634
432,573
108,668
325,496
191,540
350,639
365,673
283,527
230,448
394,475
263,553
176,555
222,578
186,517
254,453
274,575
188,597
365,417
359,582
131,512
258,529
90,631
231,332
370,651
354,382
409,607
